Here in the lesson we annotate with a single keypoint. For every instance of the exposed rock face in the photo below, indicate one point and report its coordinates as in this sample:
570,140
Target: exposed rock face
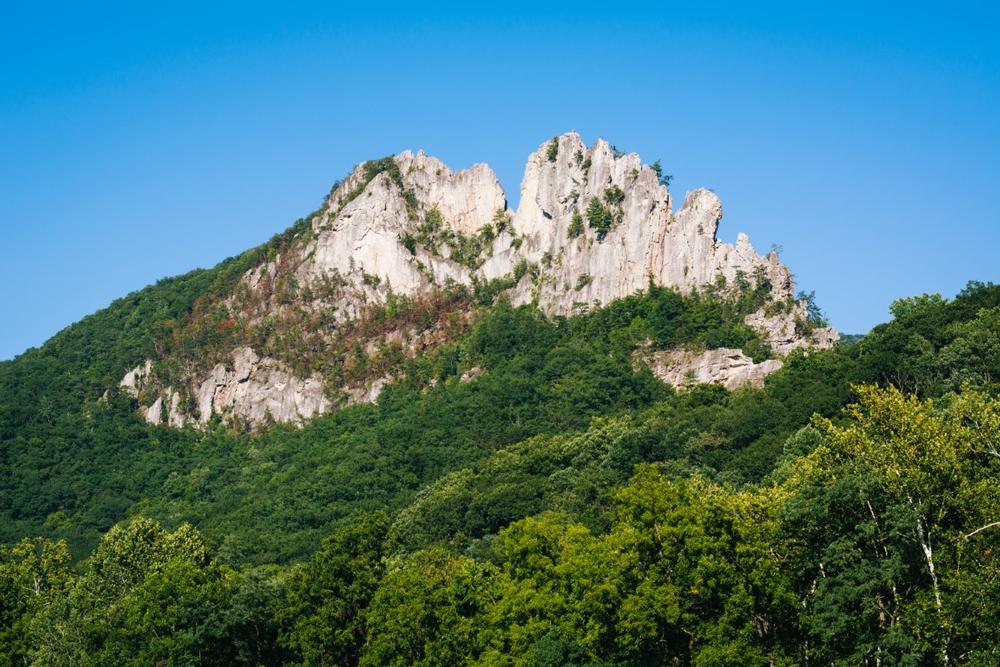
253,389
174,416
135,378
728,367
257,390
470,375
367,393
782,330
467,199
593,226
647,240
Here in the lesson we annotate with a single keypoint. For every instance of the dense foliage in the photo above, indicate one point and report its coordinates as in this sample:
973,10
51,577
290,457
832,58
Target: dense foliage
73,465
529,494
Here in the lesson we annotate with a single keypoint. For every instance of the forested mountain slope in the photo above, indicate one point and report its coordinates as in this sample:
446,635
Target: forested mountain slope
388,268
525,483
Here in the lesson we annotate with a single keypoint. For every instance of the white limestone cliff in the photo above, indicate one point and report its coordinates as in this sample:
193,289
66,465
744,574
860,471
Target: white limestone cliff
648,240
364,242
135,378
728,367
256,390
252,389
467,199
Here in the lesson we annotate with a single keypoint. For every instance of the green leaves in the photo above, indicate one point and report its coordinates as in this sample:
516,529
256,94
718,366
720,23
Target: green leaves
427,610
613,195
886,507
326,616
33,573
878,539
599,218
575,225
552,150
130,551
527,494
150,596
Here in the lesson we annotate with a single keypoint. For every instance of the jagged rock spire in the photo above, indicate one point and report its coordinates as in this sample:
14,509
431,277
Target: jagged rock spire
593,225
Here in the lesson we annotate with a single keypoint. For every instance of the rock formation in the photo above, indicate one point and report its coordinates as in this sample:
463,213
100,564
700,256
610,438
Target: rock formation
725,366
593,225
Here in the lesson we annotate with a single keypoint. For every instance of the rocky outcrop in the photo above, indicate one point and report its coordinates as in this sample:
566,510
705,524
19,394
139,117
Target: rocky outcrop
790,330
593,225
577,260
252,390
166,409
728,367
646,240
259,390
135,378
366,393
467,199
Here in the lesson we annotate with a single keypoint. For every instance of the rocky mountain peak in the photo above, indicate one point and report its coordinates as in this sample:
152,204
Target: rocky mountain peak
593,225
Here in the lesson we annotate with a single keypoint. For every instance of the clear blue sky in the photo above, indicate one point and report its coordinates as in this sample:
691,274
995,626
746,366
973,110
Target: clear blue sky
139,143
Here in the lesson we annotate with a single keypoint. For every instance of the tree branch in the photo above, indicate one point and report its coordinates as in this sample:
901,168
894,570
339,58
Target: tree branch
982,528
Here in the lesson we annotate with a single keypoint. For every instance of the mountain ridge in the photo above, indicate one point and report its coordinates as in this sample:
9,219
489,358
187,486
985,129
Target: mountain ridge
593,225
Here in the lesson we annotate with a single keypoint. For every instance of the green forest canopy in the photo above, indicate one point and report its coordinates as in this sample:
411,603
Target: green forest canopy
564,507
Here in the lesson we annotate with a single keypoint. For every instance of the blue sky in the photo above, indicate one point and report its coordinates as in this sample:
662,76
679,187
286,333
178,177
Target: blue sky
137,143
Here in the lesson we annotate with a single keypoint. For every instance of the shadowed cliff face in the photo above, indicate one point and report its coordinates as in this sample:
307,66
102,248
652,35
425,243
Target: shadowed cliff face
593,226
